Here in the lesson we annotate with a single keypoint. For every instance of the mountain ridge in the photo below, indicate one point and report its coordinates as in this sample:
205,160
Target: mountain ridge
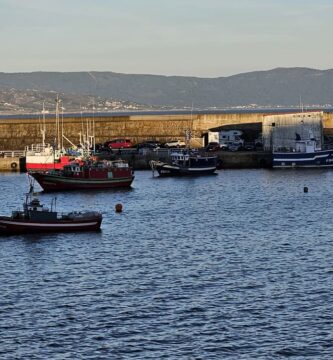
275,87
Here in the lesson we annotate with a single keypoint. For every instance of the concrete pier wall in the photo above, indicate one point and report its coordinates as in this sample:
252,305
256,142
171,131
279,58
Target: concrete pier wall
16,133
328,123
11,164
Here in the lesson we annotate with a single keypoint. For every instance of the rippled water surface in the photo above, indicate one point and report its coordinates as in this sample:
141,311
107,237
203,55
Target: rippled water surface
233,266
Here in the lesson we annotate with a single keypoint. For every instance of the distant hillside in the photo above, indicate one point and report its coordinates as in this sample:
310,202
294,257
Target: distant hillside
14,101
281,86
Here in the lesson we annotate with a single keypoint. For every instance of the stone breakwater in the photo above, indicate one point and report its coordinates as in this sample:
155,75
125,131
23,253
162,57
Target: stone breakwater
18,132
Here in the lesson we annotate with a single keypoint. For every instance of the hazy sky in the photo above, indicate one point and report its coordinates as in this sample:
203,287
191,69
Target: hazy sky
204,38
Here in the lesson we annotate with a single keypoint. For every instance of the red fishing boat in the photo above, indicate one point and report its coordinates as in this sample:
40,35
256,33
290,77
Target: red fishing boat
36,218
86,175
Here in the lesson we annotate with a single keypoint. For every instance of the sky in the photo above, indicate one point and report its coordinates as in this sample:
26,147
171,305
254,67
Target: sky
202,38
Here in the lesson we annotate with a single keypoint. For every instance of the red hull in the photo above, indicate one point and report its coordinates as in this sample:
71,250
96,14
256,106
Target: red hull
57,183
10,226
86,175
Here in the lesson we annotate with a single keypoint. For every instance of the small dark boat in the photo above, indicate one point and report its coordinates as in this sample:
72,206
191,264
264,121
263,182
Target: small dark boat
35,218
86,175
185,162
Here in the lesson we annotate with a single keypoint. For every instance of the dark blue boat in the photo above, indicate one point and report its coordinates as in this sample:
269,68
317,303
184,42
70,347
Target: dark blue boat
305,154
185,162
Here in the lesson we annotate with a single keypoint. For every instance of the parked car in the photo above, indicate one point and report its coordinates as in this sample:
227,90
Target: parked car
175,143
149,144
235,146
258,144
155,142
146,146
213,146
225,146
119,144
249,146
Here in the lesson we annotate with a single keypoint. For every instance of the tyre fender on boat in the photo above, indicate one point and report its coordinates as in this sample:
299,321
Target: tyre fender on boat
13,165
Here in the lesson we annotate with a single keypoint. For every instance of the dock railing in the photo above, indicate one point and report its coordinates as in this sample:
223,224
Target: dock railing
11,153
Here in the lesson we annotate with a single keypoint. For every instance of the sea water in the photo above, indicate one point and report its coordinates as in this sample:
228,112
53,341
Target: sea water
233,266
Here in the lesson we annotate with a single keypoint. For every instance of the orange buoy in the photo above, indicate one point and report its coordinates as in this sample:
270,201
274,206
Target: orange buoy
119,208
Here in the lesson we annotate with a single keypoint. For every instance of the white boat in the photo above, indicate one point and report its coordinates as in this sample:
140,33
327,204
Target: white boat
43,157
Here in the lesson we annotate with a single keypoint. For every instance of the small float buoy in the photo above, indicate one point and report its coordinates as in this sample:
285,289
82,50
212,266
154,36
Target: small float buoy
119,208
306,189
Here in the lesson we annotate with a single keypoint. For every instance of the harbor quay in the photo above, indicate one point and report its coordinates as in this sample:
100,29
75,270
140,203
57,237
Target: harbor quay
227,159
139,161
12,164
18,132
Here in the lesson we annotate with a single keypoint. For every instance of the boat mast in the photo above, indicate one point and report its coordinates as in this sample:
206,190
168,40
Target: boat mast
87,134
43,128
29,194
62,127
93,140
82,129
54,204
57,123
188,131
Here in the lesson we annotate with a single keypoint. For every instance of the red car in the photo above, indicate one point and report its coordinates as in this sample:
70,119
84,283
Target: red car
119,144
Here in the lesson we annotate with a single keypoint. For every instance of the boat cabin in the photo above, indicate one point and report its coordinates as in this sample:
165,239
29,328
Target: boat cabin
180,158
306,146
35,211
192,159
96,169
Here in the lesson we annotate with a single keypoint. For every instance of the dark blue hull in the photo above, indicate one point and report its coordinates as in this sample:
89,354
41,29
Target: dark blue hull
317,159
169,170
193,166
